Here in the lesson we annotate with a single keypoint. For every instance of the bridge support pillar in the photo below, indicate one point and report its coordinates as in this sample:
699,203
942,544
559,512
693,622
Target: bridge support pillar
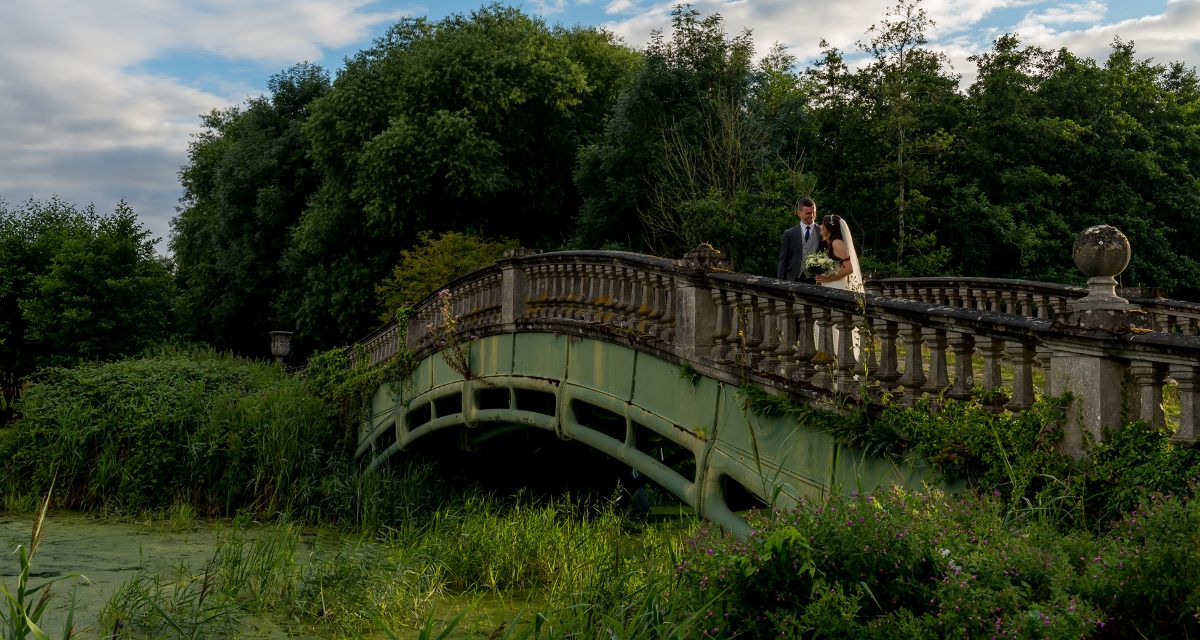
1102,394
695,319
1098,390
514,290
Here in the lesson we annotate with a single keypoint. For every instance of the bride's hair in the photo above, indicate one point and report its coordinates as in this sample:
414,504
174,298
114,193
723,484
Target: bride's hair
832,223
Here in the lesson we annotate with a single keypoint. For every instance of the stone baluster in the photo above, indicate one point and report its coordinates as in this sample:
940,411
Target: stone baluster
770,340
530,277
824,359
549,291
785,353
1148,378
914,369
721,330
889,372
954,295
995,302
612,293
632,298
658,304
966,297
737,329
1155,320
646,302
569,305
1012,304
1021,356
572,284
1043,307
1027,305
554,302
962,345
754,331
591,291
1188,379
806,345
1044,357
645,311
993,354
545,290
668,315
847,359
938,374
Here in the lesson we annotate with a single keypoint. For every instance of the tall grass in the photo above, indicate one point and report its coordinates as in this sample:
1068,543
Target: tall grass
25,603
215,432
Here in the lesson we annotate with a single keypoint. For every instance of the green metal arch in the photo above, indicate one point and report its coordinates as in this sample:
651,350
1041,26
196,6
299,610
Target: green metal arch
632,405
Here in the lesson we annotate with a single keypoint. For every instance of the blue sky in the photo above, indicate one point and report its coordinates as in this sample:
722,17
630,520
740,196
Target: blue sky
98,100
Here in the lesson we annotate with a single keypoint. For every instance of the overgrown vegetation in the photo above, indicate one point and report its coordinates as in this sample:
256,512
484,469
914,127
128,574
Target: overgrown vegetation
432,263
213,431
922,564
463,125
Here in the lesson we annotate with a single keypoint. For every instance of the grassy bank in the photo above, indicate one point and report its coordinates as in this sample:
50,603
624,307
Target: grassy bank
1039,547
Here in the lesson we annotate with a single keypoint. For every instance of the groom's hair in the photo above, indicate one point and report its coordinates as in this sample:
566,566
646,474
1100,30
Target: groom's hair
805,202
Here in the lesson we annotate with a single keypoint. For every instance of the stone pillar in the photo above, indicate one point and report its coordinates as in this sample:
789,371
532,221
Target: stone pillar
514,291
695,308
1097,383
695,320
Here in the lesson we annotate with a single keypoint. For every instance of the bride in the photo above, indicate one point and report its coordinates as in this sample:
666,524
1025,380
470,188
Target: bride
835,233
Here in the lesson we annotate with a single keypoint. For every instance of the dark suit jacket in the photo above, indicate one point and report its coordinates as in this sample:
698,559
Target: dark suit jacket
793,251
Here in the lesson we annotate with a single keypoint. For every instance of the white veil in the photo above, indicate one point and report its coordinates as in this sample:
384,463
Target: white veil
854,282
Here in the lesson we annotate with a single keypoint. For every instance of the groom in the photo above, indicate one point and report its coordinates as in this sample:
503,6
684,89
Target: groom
798,242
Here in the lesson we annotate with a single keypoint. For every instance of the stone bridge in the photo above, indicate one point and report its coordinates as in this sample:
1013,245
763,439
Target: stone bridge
642,358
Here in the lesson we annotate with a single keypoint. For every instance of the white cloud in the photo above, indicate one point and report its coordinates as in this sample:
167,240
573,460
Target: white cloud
1071,13
548,7
961,28
618,6
81,118
1167,37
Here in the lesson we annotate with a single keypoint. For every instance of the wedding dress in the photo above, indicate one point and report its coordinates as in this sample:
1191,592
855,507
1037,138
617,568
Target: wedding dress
852,283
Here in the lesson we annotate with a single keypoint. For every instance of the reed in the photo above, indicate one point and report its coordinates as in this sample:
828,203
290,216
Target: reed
26,603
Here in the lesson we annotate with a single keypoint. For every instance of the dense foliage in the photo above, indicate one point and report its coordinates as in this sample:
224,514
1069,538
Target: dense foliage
926,565
299,205
76,285
245,184
470,123
213,432
431,264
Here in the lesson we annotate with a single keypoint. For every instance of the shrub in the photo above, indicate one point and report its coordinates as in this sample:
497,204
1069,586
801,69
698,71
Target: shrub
899,564
432,263
213,431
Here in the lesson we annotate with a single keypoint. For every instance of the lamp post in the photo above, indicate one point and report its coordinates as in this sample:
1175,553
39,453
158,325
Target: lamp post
281,345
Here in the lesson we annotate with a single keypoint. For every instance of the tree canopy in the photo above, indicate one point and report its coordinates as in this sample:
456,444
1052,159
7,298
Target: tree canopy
77,285
300,205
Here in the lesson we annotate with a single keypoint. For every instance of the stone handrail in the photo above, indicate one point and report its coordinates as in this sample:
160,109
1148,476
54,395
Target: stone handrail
1031,298
801,338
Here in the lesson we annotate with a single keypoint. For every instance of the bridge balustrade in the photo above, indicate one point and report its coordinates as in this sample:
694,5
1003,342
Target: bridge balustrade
911,339
1031,299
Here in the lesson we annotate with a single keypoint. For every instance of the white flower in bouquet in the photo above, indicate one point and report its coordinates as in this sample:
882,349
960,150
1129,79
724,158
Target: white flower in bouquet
819,263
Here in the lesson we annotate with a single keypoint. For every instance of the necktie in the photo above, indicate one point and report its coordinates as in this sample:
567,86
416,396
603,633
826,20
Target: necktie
807,228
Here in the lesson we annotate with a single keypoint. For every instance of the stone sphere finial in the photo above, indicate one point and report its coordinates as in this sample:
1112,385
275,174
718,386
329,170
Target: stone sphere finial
1101,251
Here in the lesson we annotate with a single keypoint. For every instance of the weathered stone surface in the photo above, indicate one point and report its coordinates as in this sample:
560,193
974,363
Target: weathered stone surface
1101,250
703,259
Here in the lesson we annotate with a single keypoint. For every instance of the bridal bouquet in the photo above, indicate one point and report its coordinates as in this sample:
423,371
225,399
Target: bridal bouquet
819,263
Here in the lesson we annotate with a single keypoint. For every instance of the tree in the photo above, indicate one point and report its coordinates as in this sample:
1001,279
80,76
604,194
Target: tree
245,185
696,149
433,263
77,286
466,124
